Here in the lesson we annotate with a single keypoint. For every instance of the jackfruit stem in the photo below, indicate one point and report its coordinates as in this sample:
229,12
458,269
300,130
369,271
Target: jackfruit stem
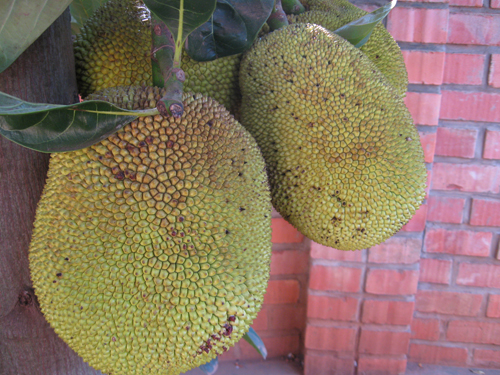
167,70
292,6
277,19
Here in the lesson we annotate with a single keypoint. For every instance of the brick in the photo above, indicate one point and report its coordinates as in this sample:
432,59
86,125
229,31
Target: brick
493,310
340,279
435,271
326,364
476,332
487,357
460,143
424,67
383,342
458,242
289,262
495,4
428,182
466,177
282,291
469,28
332,308
467,3
286,317
400,250
392,282
428,142
283,232
387,312
452,303
425,329
417,222
260,322
418,25
485,213
381,366
494,74
424,107
330,338
276,346
464,68
483,275
324,252
438,354
470,106
492,144
445,209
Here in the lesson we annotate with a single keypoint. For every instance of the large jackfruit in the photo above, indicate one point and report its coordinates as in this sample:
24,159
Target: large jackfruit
380,48
114,47
151,249
344,159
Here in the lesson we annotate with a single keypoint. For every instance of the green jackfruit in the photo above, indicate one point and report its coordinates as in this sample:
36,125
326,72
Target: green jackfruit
151,249
344,159
380,48
218,79
114,47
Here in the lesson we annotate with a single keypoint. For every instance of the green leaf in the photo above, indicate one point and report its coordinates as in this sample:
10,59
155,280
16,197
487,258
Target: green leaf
56,128
358,32
232,29
81,10
181,17
211,367
253,339
22,22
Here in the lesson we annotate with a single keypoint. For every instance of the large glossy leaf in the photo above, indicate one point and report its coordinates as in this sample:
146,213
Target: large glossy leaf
81,10
357,32
22,22
211,367
253,339
231,30
181,16
56,128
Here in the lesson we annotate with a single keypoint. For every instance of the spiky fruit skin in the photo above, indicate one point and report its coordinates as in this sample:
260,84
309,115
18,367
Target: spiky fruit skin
218,79
151,249
380,48
114,48
344,159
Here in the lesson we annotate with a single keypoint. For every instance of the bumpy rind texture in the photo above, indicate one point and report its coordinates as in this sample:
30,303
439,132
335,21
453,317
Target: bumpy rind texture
344,159
114,47
218,79
380,48
151,249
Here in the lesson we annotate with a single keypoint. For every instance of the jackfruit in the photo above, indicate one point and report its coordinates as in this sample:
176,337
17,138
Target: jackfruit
151,249
380,48
114,47
344,159
218,79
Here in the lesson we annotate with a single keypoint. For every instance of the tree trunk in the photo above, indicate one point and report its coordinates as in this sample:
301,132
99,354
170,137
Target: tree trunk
28,345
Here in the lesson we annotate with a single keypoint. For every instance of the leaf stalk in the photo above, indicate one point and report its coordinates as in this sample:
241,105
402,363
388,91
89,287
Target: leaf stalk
167,70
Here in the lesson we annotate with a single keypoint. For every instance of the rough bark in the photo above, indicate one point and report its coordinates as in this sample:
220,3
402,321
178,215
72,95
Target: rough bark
28,345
